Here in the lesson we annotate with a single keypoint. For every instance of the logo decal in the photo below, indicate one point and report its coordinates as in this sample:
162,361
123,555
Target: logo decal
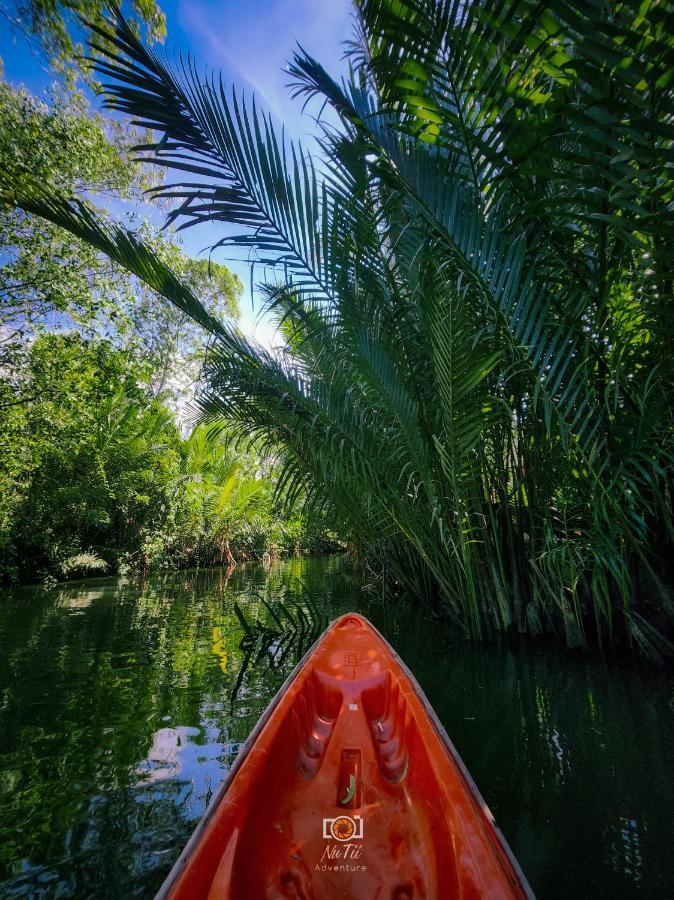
343,828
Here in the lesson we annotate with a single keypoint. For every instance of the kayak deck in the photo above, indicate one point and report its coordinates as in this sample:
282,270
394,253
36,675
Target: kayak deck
347,788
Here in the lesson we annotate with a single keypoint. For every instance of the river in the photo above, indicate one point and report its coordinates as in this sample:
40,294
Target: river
124,701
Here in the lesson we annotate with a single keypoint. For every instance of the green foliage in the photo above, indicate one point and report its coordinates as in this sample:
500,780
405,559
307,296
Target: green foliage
97,457
49,279
45,275
85,564
166,336
66,144
54,26
96,477
92,476
475,285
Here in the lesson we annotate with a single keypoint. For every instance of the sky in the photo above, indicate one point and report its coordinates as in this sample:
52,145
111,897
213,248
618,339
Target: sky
250,41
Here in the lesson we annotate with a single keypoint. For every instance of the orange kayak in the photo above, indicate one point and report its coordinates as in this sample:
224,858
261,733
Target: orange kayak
348,787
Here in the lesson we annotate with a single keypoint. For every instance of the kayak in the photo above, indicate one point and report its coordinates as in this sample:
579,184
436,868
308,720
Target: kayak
348,787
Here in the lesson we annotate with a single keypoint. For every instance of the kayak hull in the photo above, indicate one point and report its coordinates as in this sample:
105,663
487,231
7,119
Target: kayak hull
348,787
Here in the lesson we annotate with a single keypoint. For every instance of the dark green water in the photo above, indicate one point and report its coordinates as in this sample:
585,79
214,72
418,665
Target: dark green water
118,720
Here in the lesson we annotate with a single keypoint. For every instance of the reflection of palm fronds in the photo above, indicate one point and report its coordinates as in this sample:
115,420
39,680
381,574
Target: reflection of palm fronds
284,636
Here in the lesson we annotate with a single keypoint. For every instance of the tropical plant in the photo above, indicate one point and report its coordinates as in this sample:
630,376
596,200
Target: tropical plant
95,476
221,493
475,282
86,465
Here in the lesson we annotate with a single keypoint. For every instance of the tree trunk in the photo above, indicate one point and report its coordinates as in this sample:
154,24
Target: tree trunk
225,552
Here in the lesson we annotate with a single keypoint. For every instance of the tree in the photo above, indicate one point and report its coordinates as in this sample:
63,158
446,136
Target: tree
169,338
52,284
48,280
95,476
97,457
477,278
224,506
46,277
54,25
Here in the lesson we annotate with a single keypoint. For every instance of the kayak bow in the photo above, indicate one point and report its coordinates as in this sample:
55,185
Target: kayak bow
348,787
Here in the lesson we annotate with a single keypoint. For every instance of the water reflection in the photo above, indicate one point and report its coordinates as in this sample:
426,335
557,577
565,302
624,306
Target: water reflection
123,702
163,757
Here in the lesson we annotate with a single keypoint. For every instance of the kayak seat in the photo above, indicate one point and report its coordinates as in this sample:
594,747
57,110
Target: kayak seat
318,706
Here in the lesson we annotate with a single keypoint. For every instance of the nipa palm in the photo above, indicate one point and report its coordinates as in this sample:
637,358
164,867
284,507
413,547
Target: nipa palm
472,279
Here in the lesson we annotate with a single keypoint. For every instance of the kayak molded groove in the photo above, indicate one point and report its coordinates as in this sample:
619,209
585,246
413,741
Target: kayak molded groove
348,787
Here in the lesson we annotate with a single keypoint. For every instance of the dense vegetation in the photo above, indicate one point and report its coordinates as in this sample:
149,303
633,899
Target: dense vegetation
97,477
474,277
98,470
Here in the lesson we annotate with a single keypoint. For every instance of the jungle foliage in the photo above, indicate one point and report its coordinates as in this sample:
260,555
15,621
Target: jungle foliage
96,477
474,277
98,472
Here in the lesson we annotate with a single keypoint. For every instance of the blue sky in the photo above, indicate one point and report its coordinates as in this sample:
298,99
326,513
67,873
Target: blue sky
250,41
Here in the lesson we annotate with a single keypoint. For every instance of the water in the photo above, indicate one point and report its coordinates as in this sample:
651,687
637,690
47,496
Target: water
123,702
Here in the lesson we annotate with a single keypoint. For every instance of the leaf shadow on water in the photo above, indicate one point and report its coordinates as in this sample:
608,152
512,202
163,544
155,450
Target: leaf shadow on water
290,628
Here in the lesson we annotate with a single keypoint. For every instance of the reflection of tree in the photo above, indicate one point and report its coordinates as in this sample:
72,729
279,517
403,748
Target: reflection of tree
562,749
89,676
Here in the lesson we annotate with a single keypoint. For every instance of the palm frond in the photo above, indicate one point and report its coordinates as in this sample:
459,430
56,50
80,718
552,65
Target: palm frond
473,281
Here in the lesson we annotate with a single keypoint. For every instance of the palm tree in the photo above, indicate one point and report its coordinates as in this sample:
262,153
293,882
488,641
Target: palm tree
474,278
217,493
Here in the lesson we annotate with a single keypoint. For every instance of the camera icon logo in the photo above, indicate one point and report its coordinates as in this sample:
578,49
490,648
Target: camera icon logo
343,828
